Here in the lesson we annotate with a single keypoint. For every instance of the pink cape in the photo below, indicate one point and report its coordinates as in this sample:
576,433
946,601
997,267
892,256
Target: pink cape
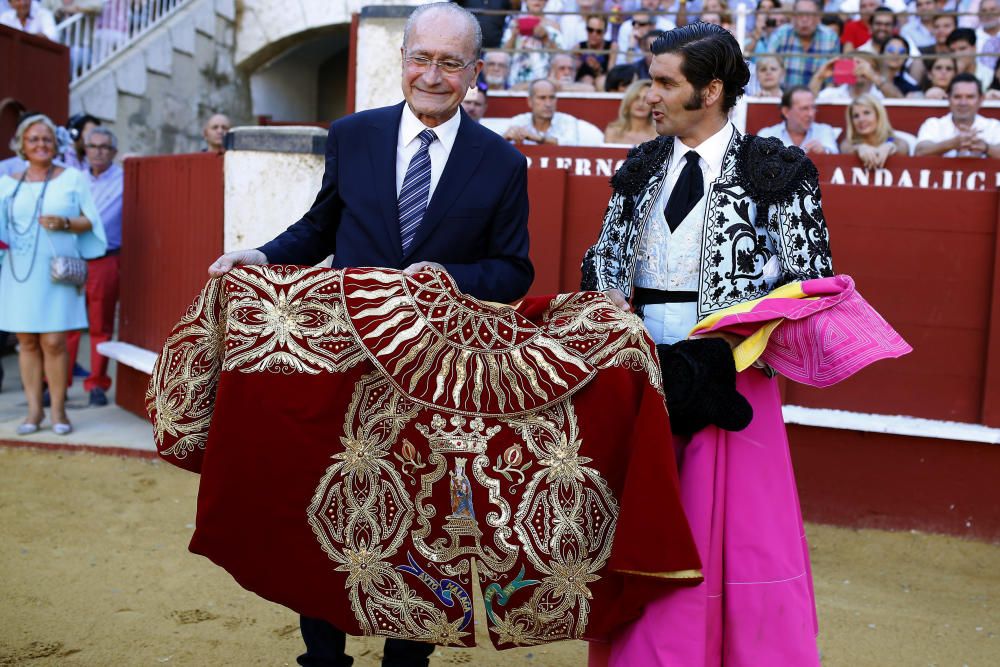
756,607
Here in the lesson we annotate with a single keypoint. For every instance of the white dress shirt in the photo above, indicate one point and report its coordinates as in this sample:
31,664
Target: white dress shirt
566,129
407,145
942,128
826,134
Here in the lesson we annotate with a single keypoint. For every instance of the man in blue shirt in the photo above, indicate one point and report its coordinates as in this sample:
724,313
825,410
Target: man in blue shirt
107,180
798,108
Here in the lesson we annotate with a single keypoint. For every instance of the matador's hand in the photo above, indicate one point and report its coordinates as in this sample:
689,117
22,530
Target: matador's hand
618,298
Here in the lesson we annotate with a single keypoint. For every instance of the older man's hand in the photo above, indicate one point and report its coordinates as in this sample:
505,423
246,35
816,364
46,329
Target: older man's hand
417,267
236,258
618,298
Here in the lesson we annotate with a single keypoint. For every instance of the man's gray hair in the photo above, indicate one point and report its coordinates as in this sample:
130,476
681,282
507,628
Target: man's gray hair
105,132
451,8
17,142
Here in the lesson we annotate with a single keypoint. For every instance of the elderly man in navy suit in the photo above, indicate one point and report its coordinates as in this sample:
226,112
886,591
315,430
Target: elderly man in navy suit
414,186
419,185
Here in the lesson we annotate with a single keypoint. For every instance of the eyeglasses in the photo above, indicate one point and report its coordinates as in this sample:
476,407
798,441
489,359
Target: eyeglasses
39,140
423,63
99,147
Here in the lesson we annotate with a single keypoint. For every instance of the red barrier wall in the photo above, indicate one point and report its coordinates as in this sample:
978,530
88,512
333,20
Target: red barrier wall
34,72
171,231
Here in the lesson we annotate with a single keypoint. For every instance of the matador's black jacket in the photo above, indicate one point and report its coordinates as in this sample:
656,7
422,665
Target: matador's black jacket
763,224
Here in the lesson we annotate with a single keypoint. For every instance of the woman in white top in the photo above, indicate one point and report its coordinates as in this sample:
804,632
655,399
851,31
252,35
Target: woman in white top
869,134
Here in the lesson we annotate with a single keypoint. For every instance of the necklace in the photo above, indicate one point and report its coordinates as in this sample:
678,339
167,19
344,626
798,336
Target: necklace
26,230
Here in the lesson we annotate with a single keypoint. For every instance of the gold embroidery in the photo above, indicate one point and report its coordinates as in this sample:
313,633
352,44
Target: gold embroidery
287,320
180,398
603,334
425,334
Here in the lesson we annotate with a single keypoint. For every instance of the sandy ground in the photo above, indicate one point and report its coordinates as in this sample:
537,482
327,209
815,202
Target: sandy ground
94,570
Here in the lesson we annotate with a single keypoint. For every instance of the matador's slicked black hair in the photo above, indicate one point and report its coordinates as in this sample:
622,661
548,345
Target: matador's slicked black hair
710,52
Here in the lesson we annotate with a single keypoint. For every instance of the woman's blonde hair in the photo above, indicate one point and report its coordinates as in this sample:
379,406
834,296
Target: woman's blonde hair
882,128
17,143
620,124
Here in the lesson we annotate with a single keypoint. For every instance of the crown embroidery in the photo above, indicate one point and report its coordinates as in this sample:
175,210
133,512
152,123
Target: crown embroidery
458,439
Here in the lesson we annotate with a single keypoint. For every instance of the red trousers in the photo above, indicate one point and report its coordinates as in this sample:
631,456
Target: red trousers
102,297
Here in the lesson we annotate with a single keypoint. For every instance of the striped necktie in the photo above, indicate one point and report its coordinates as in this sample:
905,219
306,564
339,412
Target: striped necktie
416,188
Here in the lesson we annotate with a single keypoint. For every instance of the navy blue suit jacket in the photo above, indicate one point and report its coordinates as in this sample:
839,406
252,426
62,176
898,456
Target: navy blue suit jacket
476,223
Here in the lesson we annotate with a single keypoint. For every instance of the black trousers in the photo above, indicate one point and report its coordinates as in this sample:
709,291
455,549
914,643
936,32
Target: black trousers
325,646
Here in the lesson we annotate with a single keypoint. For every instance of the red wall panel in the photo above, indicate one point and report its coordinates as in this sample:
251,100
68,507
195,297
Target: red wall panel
34,73
171,232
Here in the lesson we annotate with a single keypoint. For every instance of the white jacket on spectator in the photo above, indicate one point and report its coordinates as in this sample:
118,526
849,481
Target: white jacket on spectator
567,130
942,128
40,21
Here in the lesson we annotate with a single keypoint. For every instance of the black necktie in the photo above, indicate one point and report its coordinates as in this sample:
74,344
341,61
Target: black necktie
687,191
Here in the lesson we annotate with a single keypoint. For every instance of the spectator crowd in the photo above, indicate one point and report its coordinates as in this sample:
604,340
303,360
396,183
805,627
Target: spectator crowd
802,52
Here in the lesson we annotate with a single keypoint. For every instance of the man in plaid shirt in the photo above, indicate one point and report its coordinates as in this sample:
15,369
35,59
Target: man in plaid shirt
804,43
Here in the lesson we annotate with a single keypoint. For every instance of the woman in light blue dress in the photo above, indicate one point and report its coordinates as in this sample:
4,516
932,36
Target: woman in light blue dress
45,211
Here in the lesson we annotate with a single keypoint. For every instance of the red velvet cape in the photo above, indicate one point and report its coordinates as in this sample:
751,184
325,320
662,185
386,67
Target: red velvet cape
373,446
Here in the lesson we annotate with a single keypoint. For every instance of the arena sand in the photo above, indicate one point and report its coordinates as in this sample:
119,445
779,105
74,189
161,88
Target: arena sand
94,571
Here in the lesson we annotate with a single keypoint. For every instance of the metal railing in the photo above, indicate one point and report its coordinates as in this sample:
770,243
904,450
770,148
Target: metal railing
94,38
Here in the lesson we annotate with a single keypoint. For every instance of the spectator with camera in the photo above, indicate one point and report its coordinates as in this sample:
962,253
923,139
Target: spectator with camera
766,20
531,35
962,132
869,134
852,77
799,128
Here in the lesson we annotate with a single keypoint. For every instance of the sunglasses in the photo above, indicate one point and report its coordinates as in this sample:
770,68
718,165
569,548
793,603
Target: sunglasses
641,24
899,50
596,31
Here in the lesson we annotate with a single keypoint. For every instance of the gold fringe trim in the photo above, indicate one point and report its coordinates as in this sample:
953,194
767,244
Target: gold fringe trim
678,574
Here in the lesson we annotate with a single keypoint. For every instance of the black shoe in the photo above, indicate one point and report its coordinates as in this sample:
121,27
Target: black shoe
46,399
98,398
80,372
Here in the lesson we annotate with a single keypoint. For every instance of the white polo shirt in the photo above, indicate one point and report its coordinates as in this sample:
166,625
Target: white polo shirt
942,128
